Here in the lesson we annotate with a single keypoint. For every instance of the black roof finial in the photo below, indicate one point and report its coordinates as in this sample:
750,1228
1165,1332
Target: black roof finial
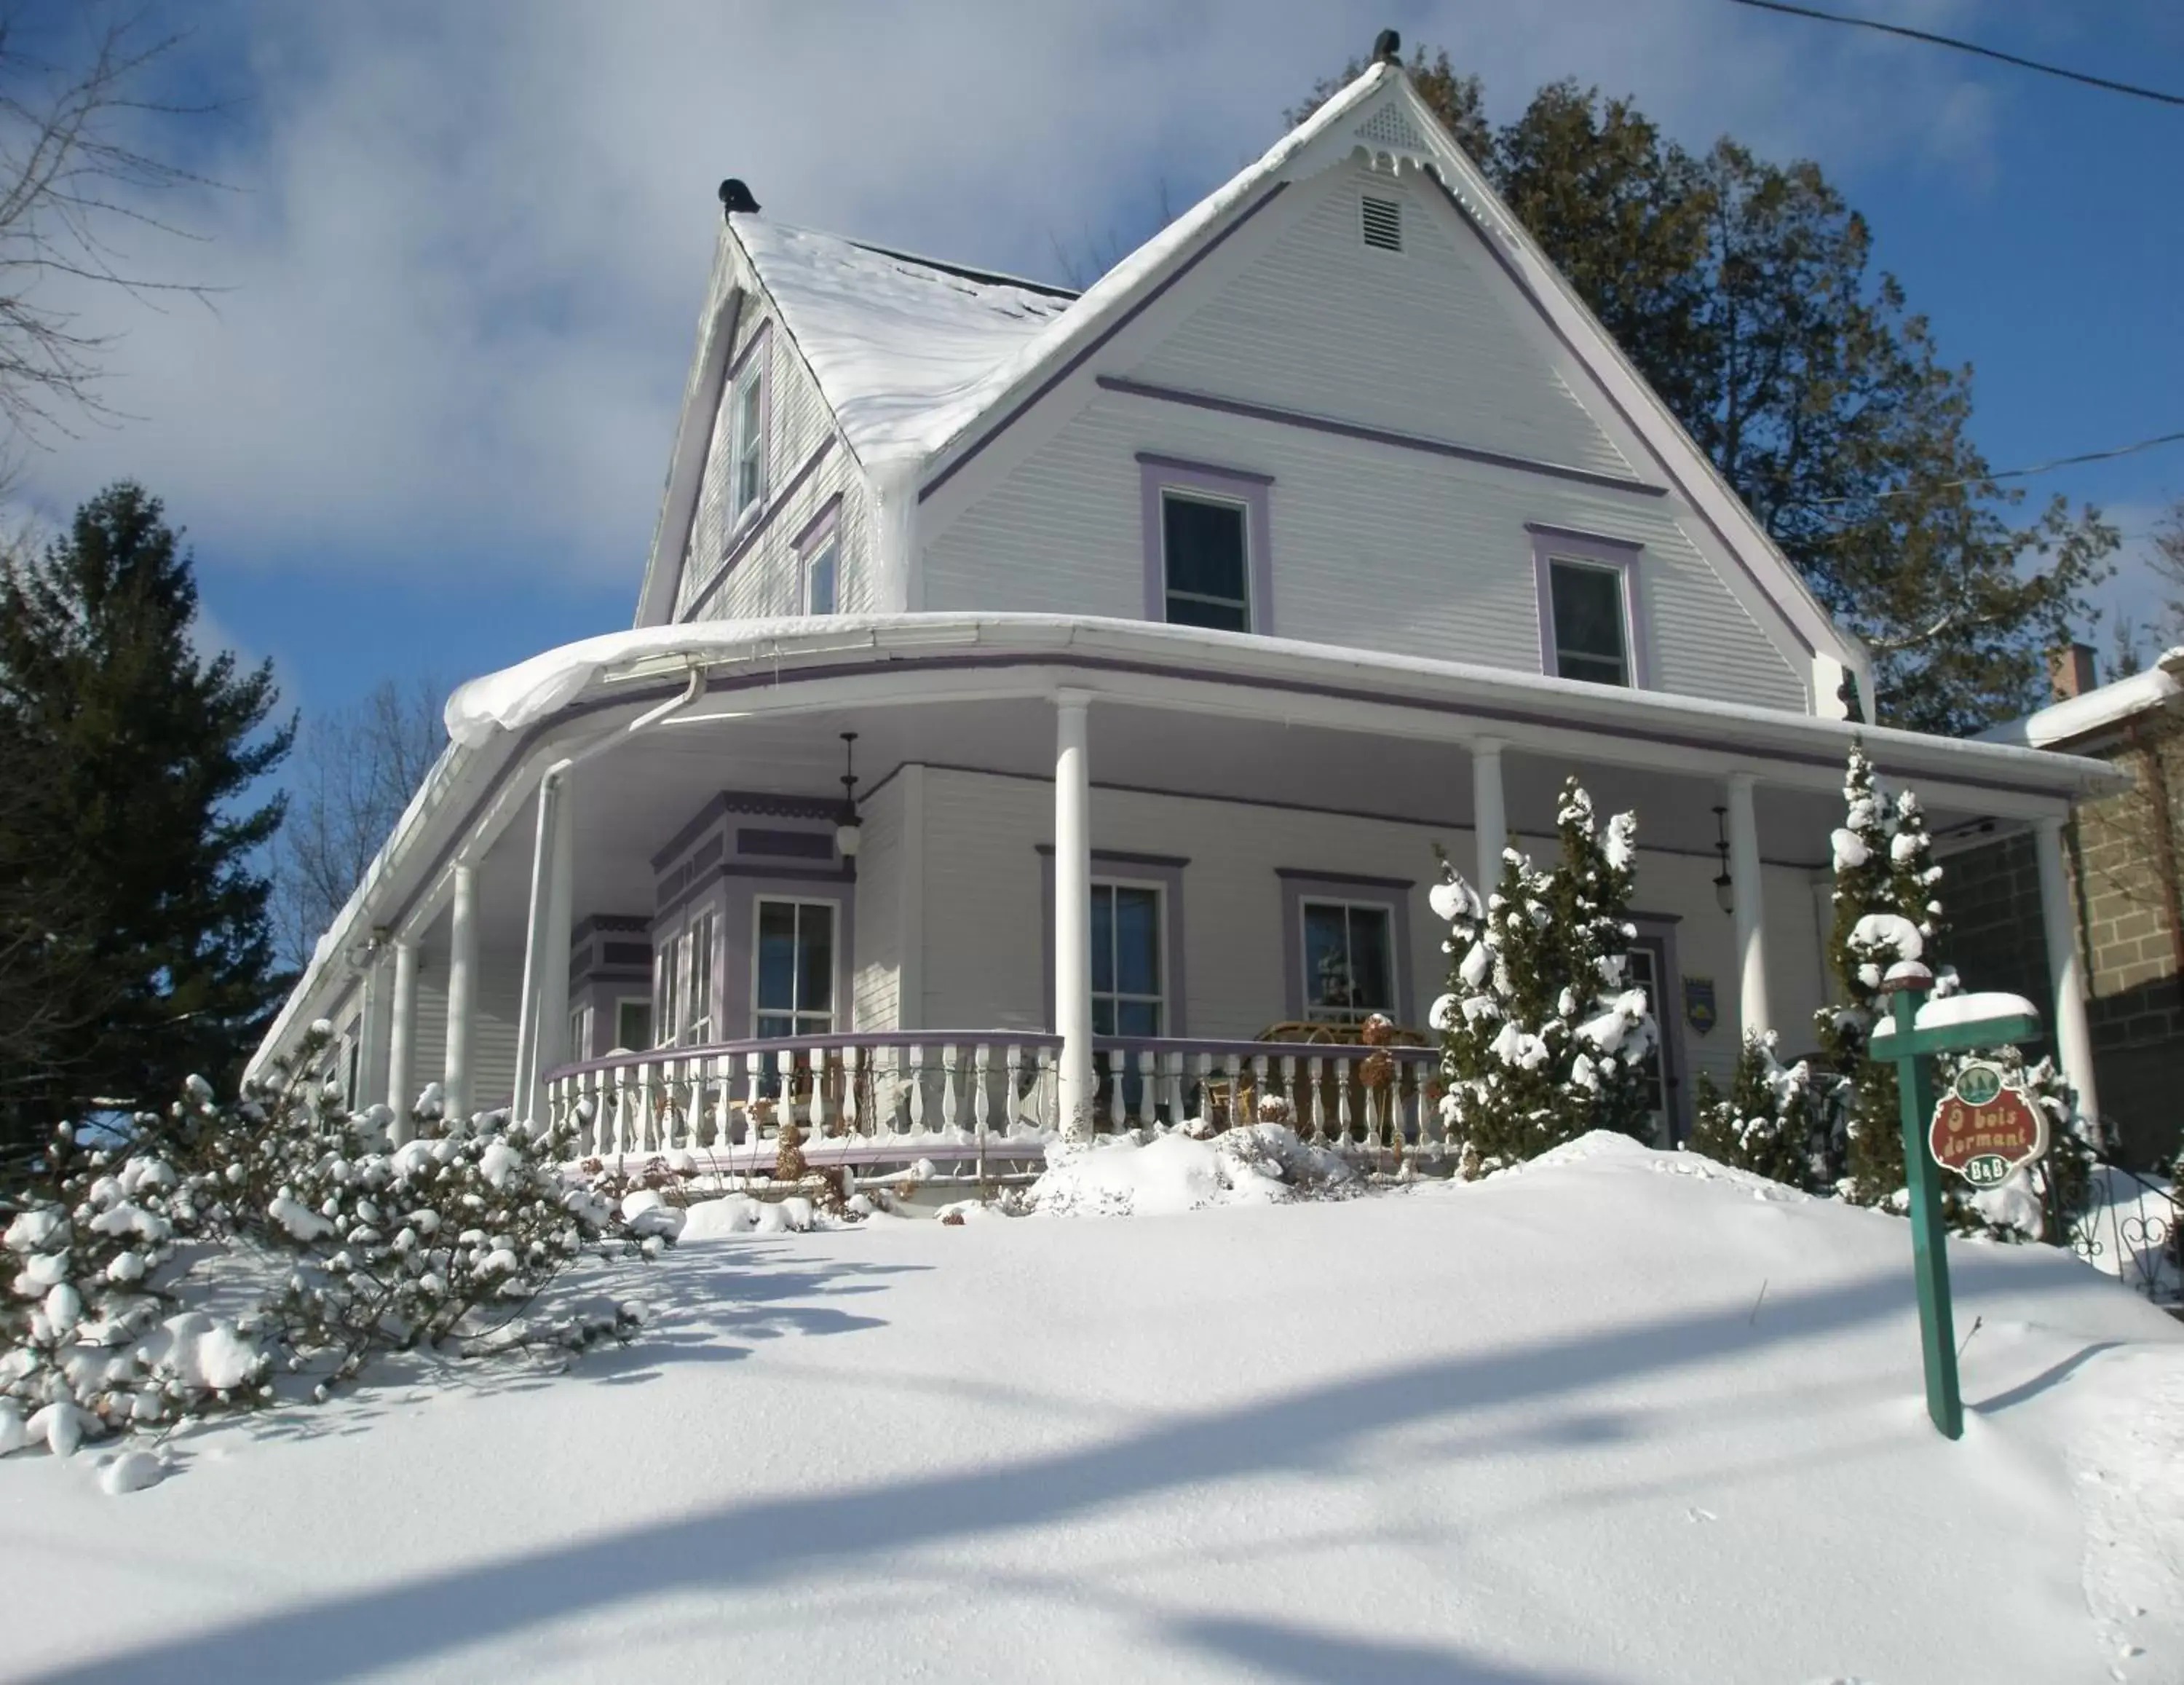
736,197
1387,48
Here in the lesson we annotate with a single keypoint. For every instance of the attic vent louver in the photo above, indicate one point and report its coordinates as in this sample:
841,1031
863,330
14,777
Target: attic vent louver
1383,224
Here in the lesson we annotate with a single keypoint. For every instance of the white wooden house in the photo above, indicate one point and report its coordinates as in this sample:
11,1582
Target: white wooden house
1177,623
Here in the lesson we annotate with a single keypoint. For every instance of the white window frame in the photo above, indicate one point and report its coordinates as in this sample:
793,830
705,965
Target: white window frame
1620,579
667,991
580,1034
828,550
796,1015
1313,1012
1217,500
747,436
698,982
1160,891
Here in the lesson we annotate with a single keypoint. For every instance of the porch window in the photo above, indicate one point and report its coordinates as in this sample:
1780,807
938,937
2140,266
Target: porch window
1588,622
794,959
697,1026
1349,960
1128,997
747,437
580,1034
667,977
632,1023
1205,543
1642,970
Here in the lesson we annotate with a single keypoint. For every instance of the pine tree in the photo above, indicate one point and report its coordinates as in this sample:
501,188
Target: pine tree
148,753
1541,1040
1767,1122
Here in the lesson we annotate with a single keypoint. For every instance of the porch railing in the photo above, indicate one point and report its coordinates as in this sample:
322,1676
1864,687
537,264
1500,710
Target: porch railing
960,1094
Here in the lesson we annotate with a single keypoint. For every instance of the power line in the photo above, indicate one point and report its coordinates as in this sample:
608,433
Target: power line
2026,472
1911,33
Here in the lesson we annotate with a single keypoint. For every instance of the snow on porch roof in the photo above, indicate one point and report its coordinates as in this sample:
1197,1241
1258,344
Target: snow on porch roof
892,340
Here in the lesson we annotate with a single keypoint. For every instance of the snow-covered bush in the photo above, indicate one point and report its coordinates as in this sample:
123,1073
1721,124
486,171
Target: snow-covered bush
1770,1121
370,1247
1542,1037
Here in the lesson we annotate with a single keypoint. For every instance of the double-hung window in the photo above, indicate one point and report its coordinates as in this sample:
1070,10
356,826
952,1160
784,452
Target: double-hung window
667,991
1205,544
747,437
698,1016
1589,616
1349,960
1206,558
1588,622
821,570
1129,974
794,959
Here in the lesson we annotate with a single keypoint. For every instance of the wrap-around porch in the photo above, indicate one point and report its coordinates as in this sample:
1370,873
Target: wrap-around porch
1077,887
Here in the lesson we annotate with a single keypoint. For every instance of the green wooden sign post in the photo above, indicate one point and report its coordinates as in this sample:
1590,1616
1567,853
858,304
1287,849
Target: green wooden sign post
1912,1049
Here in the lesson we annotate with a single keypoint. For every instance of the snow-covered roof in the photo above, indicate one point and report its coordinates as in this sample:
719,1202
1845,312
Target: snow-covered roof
2160,686
898,344
911,354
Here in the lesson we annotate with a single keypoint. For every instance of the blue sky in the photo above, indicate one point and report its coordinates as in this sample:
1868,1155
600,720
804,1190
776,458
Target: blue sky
422,423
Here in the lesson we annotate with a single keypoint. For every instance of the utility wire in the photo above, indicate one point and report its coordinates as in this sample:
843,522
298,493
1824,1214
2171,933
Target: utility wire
2130,450
1911,33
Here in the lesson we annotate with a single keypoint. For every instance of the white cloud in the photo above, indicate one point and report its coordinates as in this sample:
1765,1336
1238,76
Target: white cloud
466,251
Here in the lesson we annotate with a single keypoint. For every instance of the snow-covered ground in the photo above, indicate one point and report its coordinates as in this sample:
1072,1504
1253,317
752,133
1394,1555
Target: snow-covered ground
1619,1416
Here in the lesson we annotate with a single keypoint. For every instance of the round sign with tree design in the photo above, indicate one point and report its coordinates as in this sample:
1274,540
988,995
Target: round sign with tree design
1984,1129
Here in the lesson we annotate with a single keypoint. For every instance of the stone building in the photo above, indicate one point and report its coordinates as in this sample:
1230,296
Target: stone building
2123,862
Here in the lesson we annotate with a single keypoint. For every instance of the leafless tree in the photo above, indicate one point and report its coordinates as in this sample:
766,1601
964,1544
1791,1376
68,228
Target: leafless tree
2169,568
79,106
353,772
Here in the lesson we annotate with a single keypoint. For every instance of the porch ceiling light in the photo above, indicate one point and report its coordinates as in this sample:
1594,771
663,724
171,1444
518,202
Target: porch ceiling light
848,830
1725,886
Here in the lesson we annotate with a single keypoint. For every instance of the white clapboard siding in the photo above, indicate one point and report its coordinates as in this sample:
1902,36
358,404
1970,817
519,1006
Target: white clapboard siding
1422,340
986,948
764,579
1372,548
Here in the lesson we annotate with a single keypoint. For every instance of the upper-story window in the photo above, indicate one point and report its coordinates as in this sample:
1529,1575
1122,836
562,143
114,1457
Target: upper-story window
1207,557
819,562
747,434
1588,614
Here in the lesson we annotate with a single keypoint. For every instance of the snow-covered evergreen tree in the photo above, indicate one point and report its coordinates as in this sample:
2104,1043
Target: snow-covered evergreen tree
1541,1038
1767,1122
1888,905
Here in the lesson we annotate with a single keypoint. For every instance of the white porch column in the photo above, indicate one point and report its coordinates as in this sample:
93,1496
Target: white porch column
371,1027
2074,1040
544,935
553,1040
1753,1015
1490,817
402,1037
1072,911
462,992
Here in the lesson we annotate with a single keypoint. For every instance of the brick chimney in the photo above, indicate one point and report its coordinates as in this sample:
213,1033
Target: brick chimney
2070,672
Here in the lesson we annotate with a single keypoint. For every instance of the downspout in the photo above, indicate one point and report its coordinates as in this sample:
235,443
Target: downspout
551,788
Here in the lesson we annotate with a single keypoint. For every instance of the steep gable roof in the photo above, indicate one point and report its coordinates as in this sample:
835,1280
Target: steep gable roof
899,346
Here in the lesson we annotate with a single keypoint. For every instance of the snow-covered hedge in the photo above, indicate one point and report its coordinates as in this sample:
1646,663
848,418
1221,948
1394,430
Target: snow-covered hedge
353,1246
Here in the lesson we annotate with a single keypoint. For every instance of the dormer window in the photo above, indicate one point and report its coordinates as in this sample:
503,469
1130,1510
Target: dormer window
747,436
1588,614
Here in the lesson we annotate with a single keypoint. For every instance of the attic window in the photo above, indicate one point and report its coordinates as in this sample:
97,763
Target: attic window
1383,223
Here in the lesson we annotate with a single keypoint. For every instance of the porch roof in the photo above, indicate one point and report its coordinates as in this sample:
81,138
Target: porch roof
789,683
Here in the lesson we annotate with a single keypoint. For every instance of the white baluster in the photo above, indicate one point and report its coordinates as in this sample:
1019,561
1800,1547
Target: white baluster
1115,1090
917,1090
1259,1066
818,1058
1047,1107
1289,1064
1012,1095
1205,1109
1148,1089
951,1110
1342,1100
853,1114
982,1100
1231,1070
